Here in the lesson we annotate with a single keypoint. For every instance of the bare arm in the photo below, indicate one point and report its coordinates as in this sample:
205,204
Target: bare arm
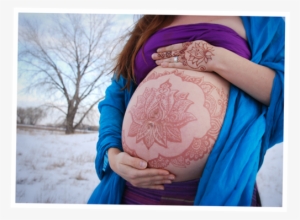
254,79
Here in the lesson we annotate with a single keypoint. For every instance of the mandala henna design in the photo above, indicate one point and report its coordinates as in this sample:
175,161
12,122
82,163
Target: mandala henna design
199,147
200,52
159,114
126,148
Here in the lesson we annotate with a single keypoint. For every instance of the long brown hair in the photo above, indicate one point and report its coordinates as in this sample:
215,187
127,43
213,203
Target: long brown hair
144,28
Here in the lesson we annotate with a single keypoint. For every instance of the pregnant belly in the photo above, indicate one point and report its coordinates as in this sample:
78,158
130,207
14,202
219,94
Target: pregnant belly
173,120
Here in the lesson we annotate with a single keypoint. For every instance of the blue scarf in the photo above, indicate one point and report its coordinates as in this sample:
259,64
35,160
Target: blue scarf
248,131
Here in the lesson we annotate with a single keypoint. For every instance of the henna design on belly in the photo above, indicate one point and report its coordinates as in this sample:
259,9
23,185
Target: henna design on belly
199,147
159,114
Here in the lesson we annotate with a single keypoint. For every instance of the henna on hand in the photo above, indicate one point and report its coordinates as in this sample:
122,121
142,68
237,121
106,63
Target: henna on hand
165,55
193,55
199,53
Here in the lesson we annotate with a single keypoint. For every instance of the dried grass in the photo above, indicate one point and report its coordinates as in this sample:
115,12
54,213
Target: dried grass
55,165
80,177
83,158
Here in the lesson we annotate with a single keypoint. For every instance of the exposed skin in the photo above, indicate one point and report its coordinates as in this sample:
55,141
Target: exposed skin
254,79
190,55
134,171
174,118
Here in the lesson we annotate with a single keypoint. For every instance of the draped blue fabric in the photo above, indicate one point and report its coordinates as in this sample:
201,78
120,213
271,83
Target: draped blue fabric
248,131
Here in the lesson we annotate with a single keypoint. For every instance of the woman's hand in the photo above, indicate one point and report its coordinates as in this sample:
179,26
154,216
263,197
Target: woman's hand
196,55
254,79
135,171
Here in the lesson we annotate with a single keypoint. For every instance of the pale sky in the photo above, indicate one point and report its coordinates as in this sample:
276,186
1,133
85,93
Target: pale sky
121,23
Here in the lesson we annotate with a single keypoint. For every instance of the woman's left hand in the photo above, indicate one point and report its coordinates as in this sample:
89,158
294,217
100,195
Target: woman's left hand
196,55
252,78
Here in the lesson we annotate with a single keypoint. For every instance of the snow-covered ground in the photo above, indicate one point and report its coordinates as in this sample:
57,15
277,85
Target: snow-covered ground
55,168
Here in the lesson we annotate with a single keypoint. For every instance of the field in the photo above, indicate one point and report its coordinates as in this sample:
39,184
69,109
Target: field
52,167
55,168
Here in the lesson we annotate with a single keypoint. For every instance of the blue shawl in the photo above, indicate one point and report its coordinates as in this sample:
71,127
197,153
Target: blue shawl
248,131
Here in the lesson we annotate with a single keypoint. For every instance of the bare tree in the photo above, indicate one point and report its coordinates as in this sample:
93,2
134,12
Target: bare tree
35,114
21,115
30,115
66,57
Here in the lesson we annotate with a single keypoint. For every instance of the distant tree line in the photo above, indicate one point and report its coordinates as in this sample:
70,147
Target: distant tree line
82,126
33,115
30,115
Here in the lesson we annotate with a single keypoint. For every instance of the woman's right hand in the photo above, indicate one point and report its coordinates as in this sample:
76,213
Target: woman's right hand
135,171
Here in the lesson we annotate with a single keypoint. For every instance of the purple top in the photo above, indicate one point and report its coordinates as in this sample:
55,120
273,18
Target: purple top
214,34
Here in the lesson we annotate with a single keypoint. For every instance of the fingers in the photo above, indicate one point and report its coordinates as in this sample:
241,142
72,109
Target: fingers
153,174
135,171
170,51
166,54
174,59
127,160
146,179
170,63
169,55
170,48
134,162
170,59
152,180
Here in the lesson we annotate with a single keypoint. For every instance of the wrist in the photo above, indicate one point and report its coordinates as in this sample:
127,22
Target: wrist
216,63
112,152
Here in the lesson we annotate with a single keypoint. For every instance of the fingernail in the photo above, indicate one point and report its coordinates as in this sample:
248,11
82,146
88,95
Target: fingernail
158,62
143,164
171,177
159,50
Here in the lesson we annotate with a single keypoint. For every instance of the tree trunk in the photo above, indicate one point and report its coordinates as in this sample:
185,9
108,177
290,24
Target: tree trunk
70,122
69,129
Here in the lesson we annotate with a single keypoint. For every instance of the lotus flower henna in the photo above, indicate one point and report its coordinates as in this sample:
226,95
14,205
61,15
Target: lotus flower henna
200,52
159,114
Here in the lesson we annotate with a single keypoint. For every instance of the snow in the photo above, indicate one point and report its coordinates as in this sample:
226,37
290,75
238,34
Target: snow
52,167
55,168
270,177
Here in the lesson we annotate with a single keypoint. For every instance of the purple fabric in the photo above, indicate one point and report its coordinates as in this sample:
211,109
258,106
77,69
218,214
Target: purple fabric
177,193
255,197
215,34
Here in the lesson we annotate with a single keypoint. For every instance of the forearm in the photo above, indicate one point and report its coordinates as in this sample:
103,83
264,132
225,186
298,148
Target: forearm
254,79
